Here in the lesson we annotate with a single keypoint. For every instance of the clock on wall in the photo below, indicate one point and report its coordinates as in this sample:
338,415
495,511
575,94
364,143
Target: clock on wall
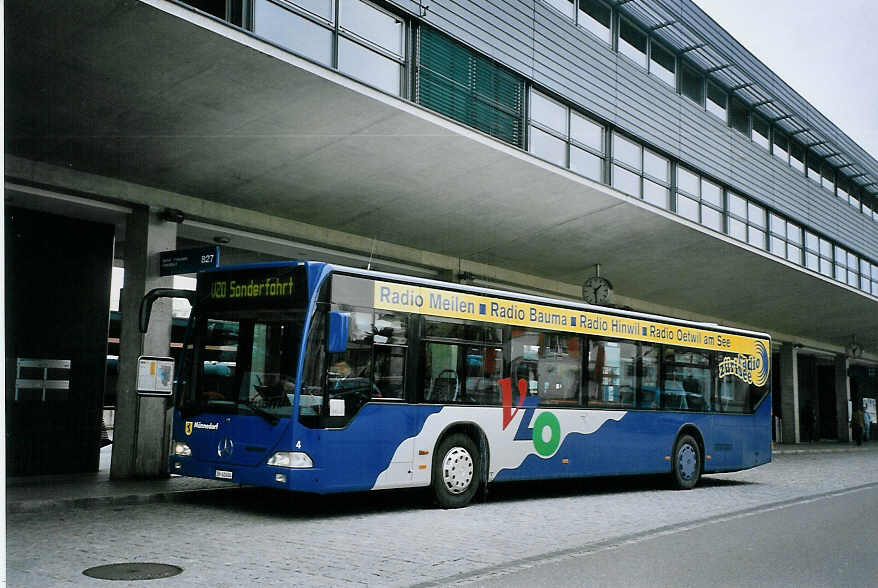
597,290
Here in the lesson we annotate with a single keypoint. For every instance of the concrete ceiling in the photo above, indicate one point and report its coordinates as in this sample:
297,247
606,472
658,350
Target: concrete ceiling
123,89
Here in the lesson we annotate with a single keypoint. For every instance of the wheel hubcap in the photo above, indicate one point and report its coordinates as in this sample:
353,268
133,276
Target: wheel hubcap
457,470
687,460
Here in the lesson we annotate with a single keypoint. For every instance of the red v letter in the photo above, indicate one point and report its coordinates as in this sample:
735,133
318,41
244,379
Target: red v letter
506,388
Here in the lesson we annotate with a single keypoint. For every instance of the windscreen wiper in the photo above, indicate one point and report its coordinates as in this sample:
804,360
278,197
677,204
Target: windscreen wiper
273,419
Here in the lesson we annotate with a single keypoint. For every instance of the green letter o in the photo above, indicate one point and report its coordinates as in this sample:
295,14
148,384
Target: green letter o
546,448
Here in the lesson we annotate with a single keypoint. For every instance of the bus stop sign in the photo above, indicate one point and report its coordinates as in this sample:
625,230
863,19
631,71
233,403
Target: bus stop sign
188,261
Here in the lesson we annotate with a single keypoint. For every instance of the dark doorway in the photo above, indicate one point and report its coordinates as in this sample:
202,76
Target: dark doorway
57,297
828,410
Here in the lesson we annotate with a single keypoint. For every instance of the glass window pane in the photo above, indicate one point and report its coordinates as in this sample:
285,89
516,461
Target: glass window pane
797,157
656,166
626,151
372,24
688,208
778,246
711,218
777,225
813,169
855,202
826,248
595,17
756,215
812,262
655,194
548,112
756,237
794,254
564,6
841,273
692,85
612,373
827,177
586,164
781,146
794,233
739,116
711,193
369,66
826,267
737,229
737,205
663,65
811,241
853,261
587,132
548,147
760,132
321,8
632,43
626,181
687,181
687,379
853,278
865,284
292,31
716,101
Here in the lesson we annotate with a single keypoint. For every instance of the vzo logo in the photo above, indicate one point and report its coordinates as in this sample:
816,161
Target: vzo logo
546,430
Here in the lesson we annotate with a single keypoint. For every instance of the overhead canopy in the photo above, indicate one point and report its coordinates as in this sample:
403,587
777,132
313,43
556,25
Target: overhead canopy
171,99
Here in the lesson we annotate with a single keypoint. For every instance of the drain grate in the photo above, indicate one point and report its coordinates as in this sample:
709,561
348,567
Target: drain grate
133,571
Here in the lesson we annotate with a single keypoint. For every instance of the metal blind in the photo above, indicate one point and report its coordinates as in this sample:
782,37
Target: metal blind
469,88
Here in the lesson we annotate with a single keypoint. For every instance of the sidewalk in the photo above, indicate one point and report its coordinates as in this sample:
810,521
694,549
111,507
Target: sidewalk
36,493
822,446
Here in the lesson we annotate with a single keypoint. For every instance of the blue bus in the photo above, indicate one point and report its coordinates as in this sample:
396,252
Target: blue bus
321,378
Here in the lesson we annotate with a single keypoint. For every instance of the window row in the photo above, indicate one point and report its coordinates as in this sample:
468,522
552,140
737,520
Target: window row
563,136
561,369
364,42
636,44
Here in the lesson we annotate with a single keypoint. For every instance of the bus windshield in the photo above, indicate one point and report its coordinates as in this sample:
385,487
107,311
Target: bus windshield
245,363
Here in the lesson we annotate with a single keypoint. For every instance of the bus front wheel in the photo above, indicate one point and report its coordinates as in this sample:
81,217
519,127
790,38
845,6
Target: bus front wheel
686,463
456,467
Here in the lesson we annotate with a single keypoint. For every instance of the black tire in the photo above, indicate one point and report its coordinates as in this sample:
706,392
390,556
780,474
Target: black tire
686,463
456,471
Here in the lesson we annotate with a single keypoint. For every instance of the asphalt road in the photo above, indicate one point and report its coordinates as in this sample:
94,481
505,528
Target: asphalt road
801,520
827,540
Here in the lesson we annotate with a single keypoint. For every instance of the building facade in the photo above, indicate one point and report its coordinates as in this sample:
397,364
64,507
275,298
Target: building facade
523,144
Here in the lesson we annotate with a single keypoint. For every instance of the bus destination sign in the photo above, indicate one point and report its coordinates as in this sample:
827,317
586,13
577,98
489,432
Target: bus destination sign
283,287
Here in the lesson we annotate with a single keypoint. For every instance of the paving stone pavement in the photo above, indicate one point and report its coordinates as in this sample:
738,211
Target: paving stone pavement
263,537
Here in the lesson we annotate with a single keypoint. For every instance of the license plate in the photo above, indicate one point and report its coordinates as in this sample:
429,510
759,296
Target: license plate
223,475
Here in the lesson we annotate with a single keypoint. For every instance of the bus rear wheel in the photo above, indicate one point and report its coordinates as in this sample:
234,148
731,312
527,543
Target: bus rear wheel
686,463
456,467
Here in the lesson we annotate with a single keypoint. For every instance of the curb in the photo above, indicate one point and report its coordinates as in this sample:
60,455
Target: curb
816,450
25,506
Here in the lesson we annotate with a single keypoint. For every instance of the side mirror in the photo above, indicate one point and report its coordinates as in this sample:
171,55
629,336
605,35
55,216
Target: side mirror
155,294
338,331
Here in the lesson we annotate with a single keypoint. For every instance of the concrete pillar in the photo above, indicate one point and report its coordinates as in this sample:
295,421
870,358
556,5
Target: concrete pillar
142,433
789,393
842,397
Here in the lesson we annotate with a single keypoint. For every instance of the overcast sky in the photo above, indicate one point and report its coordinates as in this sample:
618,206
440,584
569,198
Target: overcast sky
826,51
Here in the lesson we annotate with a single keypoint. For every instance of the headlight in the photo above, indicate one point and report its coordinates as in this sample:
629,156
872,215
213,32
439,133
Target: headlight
291,459
181,448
